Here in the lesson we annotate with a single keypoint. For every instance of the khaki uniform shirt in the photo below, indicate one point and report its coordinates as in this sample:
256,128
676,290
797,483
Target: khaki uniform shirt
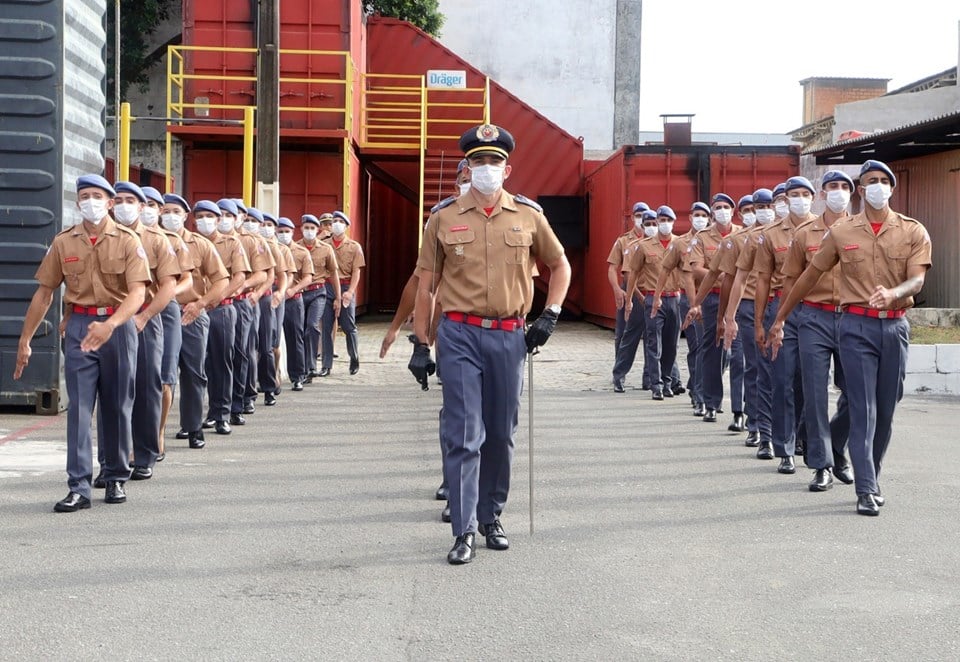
730,255
646,260
349,255
232,253
96,275
160,256
324,260
182,251
622,248
704,246
867,260
772,246
257,252
486,263
806,242
205,263
279,261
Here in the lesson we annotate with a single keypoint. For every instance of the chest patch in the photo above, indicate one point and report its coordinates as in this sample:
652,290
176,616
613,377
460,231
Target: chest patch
458,250
781,249
851,247
71,259
813,248
459,228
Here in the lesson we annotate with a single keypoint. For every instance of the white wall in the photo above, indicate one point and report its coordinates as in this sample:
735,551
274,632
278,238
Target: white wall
556,56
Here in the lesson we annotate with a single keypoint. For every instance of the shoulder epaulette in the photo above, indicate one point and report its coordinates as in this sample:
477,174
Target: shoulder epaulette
443,203
130,232
907,218
523,200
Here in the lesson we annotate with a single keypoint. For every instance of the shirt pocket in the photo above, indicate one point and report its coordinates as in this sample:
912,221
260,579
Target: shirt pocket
459,245
851,262
74,267
518,246
113,272
899,252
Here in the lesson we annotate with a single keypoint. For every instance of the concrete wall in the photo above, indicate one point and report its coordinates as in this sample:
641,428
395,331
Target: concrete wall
558,57
885,113
933,369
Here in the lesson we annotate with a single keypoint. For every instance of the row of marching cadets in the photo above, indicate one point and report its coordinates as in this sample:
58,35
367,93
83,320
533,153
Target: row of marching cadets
833,288
149,304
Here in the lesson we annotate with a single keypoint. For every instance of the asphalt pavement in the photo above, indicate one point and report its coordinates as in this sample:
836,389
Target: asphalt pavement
312,533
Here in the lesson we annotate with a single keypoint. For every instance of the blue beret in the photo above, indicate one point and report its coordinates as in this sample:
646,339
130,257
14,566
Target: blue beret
255,213
240,205
130,187
152,194
341,216
763,196
744,201
722,197
228,205
267,216
207,205
285,222
461,165
640,207
836,176
780,189
174,199
701,206
309,218
486,139
664,210
871,165
649,215
798,182
95,181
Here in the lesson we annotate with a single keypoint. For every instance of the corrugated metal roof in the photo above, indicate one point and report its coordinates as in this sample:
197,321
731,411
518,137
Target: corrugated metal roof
889,134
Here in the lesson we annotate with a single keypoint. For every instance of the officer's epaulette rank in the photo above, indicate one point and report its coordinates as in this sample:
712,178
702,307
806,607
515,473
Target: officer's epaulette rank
443,203
523,200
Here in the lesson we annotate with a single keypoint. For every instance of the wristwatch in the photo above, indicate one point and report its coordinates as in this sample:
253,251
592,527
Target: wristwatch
555,308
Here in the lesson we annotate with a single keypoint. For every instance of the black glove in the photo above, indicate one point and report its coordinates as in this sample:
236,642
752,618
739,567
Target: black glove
539,332
421,365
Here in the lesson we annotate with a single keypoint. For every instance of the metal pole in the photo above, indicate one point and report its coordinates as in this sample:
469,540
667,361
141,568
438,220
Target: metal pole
247,155
268,107
530,432
123,151
116,73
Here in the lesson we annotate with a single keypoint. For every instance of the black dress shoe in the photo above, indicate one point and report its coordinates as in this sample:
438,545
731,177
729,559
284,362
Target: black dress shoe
617,385
236,419
495,535
196,440
667,393
787,466
277,391
710,416
161,457
867,505
657,394
442,493
99,483
209,424
182,434
354,366
739,423
324,372
445,514
765,452
72,503
800,449
879,499
844,474
308,379
141,473
297,386
223,427
678,390
752,440
248,408
822,481
269,399
115,493
463,550
699,409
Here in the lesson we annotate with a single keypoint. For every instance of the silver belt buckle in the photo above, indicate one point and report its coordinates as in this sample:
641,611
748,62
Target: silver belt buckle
486,323
883,314
838,309
101,311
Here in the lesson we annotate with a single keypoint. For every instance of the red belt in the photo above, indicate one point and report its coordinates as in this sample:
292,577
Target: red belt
504,324
715,290
268,293
345,282
879,314
297,295
102,311
144,307
777,293
313,287
829,307
225,302
240,297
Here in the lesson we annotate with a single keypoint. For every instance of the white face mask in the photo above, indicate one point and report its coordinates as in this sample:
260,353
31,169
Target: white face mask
464,188
251,226
488,179
238,222
699,222
309,235
765,216
782,209
723,215
285,238
172,222
665,227
206,226
877,195
149,216
126,213
338,228
749,219
225,225
93,210
837,200
267,231
800,206
650,230
638,223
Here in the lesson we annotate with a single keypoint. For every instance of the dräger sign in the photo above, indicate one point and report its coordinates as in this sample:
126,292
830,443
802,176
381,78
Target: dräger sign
445,78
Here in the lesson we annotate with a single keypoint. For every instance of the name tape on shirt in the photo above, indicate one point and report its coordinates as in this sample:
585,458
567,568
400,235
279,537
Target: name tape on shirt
459,228
851,247
71,259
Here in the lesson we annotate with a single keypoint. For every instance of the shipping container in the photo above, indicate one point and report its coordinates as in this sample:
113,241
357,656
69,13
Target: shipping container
675,176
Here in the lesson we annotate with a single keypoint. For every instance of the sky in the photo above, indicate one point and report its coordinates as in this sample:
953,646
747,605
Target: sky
738,64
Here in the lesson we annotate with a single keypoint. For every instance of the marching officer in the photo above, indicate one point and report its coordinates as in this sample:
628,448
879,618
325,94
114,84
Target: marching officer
350,262
627,334
874,333
104,268
483,246
315,295
293,315
269,232
270,300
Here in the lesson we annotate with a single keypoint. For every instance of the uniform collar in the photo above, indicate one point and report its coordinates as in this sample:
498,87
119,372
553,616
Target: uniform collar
468,202
107,227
